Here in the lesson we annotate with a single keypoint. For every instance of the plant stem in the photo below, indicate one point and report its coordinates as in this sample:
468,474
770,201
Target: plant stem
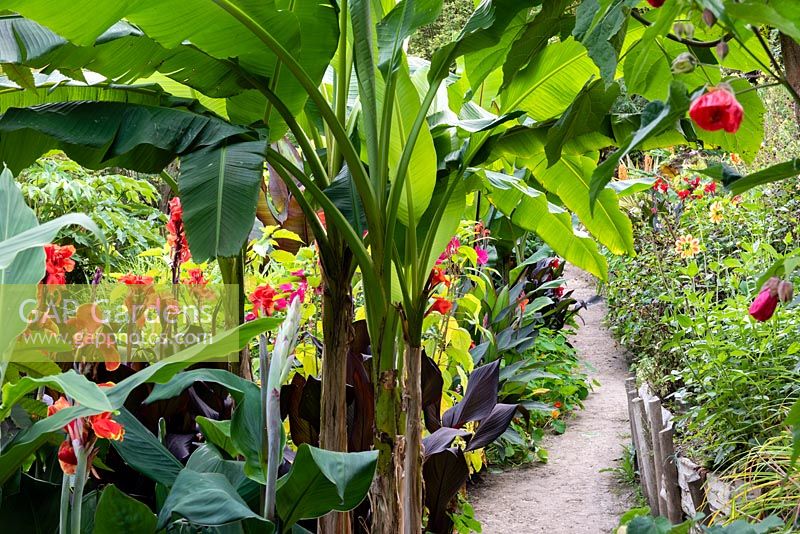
63,513
81,474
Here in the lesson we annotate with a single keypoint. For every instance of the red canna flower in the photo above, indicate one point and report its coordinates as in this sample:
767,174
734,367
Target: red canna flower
661,185
105,427
195,277
438,277
684,194
58,262
67,458
176,235
559,291
131,279
263,299
522,304
440,305
717,109
557,404
555,263
711,188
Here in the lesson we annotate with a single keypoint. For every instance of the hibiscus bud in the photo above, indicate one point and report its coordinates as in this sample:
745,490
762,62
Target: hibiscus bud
684,63
722,50
785,291
709,18
684,29
763,307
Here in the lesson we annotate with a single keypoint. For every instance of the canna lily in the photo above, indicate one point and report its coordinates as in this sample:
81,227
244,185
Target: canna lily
717,109
176,235
711,188
105,427
684,194
438,277
440,305
263,299
58,262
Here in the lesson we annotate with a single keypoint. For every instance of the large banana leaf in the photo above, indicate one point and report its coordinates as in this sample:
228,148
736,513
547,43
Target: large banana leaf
552,80
530,209
219,189
108,134
308,31
569,179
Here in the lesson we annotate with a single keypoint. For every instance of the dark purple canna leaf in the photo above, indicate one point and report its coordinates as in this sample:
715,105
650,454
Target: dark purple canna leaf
444,474
432,385
181,445
441,440
493,426
361,410
479,399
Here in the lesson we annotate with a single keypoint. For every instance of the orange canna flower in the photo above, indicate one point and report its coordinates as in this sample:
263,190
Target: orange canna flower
105,427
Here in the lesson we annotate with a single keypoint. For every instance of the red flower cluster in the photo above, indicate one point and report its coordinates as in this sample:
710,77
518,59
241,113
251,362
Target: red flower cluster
266,299
440,305
661,185
176,236
58,262
717,109
131,279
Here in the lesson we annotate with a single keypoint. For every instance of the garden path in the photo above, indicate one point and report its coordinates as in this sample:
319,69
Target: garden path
571,493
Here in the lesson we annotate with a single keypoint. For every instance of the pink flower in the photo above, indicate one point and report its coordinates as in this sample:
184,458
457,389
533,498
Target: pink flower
452,248
250,317
286,287
763,307
300,273
483,255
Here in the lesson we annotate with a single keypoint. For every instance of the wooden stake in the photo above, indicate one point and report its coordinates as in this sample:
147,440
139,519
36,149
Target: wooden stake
656,426
670,474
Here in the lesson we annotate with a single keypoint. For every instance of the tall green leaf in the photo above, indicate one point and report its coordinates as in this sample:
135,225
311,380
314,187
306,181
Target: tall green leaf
142,450
219,189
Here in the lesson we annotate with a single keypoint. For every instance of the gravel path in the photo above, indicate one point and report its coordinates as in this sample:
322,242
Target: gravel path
570,494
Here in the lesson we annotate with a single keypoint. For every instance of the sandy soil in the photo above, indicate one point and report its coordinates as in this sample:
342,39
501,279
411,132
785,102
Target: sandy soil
570,494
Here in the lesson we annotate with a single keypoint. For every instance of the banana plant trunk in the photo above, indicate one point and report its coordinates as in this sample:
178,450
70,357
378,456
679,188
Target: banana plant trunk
385,491
411,496
337,333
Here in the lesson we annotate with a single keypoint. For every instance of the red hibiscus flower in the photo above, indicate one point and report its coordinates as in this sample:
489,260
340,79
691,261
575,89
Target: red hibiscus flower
717,109
440,305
